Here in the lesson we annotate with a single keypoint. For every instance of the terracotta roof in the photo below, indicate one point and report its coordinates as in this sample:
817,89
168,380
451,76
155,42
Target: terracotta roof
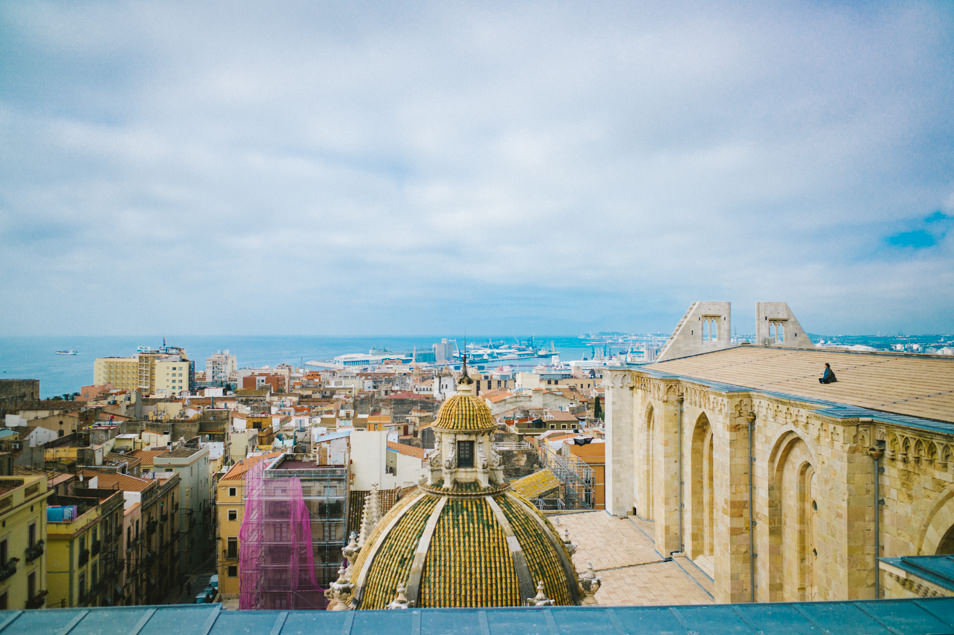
408,395
496,396
408,450
559,415
237,473
148,455
113,480
915,385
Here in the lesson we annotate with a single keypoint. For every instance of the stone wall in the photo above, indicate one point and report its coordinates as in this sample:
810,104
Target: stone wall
16,393
678,454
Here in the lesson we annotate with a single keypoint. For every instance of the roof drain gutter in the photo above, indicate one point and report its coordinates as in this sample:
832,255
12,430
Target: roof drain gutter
876,452
682,546
752,554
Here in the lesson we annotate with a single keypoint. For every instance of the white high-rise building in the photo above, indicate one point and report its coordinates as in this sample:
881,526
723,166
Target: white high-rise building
445,351
220,367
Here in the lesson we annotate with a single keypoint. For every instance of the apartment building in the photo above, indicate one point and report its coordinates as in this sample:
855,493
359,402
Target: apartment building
83,536
164,370
191,463
23,581
230,512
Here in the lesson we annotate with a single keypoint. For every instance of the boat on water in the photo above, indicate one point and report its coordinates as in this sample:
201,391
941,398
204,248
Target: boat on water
71,351
499,351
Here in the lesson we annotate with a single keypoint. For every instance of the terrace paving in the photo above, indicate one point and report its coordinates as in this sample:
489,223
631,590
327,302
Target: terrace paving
632,571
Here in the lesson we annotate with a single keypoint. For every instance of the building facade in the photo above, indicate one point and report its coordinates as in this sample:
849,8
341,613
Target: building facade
23,582
194,505
81,529
165,370
781,488
230,512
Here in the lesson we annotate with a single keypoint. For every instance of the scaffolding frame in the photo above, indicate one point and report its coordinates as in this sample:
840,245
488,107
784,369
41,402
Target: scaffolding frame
276,563
579,481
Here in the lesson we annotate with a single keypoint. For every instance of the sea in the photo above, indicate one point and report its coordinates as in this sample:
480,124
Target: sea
36,358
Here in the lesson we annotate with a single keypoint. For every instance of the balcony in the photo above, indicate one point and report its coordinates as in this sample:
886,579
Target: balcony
8,568
83,557
37,601
164,516
34,551
151,527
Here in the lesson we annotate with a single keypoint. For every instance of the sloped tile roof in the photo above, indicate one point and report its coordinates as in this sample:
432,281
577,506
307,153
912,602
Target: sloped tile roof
913,385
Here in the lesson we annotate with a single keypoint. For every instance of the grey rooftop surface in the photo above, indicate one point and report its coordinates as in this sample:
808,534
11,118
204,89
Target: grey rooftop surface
934,615
936,569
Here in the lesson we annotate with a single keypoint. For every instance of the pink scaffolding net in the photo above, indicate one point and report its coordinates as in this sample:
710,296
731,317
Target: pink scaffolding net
276,562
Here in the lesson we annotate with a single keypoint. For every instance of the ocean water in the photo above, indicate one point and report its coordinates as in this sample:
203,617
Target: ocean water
36,358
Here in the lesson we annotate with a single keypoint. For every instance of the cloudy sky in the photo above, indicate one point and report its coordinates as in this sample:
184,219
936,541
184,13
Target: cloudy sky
402,167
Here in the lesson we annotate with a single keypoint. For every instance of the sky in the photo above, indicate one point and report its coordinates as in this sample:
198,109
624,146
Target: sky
416,168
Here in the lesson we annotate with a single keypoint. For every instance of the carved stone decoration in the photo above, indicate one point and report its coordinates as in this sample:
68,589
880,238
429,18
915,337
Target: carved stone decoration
370,515
540,599
496,468
483,465
450,462
620,380
400,599
339,592
590,583
567,542
350,551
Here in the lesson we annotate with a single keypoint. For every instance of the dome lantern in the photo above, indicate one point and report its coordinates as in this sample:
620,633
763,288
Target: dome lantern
464,538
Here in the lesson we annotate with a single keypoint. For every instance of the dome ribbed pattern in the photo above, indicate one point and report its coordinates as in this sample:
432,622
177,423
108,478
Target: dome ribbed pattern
465,413
392,564
468,562
542,557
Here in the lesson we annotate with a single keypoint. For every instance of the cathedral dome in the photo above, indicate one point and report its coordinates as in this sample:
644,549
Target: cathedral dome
463,538
464,549
464,412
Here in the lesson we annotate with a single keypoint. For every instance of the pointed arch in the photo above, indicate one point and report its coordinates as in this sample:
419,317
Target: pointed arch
792,510
937,534
701,495
650,452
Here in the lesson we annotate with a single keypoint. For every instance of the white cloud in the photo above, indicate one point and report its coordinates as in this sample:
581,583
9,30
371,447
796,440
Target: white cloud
580,163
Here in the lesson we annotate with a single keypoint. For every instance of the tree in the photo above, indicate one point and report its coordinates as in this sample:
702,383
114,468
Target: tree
597,408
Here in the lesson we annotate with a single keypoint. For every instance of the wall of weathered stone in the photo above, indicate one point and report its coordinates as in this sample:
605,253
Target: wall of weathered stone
678,453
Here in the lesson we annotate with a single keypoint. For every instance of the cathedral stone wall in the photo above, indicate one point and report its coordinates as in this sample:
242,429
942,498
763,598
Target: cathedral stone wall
679,455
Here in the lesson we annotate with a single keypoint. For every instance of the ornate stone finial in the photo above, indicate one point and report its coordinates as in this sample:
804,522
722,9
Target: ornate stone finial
590,583
400,598
567,542
350,551
339,593
370,515
540,599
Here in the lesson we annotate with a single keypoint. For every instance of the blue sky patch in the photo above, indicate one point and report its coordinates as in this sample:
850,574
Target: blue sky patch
929,232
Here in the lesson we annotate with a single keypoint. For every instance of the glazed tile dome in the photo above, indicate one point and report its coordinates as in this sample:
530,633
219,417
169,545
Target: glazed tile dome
464,412
472,548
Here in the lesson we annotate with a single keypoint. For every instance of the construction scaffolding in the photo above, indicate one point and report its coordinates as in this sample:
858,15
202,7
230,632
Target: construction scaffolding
578,478
276,562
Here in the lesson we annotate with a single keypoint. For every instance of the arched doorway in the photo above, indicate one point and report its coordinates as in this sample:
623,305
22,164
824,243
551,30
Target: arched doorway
792,509
702,500
649,470
946,546
937,537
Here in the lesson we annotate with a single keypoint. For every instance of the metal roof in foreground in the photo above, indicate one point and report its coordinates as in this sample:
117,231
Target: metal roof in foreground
934,615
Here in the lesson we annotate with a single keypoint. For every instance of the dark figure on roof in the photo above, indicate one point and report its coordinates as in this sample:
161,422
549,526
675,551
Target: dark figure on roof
828,377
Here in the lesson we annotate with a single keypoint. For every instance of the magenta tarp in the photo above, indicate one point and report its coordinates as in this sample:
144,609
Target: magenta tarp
276,563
